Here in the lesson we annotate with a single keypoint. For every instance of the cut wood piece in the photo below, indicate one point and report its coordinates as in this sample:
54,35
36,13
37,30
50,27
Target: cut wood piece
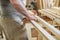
55,12
57,18
56,3
56,9
41,4
46,14
28,28
50,15
45,4
34,32
41,30
55,31
34,38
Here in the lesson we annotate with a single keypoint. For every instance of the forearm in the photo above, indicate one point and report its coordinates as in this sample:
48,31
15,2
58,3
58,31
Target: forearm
20,7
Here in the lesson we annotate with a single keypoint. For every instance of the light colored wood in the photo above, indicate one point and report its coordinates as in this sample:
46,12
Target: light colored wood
51,15
34,38
41,30
50,3
41,4
45,4
54,12
50,27
56,3
28,28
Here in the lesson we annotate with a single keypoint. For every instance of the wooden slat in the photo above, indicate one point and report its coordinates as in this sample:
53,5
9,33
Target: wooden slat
28,28
56,17
56,11
55,31
46,14
50,15
45,4
53,12
56,3
41,30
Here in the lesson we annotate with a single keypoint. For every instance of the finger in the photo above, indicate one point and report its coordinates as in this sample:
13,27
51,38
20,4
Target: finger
25,20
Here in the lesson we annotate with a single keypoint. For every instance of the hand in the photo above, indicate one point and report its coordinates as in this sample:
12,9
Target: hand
27,19
31,16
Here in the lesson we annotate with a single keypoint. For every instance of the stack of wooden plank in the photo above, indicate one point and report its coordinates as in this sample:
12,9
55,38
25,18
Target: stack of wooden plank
56,3
46,31
44,34
52,14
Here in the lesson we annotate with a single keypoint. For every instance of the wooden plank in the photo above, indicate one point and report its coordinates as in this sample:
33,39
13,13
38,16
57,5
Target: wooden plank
46,14
44,32
55,31
57,18
39,29
28,28
45,4
50,15
56,13
56,3
39,4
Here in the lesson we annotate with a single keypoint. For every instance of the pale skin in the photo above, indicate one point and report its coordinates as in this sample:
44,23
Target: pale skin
20,8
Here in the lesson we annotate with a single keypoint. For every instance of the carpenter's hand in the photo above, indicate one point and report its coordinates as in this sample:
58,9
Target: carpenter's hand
27,19
31,16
